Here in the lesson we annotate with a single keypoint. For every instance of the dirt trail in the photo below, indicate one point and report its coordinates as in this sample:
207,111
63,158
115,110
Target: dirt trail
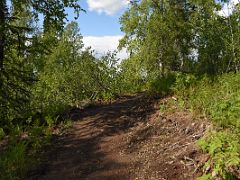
127,139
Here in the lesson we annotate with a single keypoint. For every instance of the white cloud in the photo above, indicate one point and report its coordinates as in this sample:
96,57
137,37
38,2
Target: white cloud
110,7
103,44
228,8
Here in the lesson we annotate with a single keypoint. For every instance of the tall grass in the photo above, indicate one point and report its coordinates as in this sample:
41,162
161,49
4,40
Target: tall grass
218,98
14,162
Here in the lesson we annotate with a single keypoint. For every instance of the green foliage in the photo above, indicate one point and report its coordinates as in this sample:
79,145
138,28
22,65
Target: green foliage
185,36
13,163
205,177
23,145
51,121
162,85
71,74
2,133
218,99
224,149
215,98
132,76
183,82
21,51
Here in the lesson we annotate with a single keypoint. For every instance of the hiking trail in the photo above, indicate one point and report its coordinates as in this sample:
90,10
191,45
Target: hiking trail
129,138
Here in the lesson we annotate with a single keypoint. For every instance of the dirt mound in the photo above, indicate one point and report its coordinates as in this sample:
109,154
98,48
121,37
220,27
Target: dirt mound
127,139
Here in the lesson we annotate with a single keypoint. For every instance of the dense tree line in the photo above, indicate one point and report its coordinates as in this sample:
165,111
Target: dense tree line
184,36
21,50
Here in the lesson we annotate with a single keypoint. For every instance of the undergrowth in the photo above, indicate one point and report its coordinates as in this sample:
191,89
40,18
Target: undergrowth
19,154
224,148
13,161
217,99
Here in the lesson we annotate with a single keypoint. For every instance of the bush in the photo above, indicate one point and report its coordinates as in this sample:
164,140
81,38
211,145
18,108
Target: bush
162,85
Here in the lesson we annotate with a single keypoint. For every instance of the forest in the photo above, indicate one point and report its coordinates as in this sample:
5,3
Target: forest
183,50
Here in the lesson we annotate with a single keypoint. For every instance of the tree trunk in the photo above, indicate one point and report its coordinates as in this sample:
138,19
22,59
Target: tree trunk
2,38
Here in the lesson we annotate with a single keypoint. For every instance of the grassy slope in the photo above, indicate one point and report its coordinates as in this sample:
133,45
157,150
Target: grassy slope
217,99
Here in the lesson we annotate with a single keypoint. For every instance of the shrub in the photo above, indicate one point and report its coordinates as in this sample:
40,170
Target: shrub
162,84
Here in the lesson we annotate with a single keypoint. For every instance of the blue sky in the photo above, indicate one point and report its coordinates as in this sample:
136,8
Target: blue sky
94,23
100,24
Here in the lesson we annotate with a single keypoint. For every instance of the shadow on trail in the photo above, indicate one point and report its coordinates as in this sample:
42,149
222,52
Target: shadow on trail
119,116
86,152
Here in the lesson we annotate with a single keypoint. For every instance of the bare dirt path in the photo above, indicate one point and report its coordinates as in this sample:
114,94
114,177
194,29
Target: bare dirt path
127,139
